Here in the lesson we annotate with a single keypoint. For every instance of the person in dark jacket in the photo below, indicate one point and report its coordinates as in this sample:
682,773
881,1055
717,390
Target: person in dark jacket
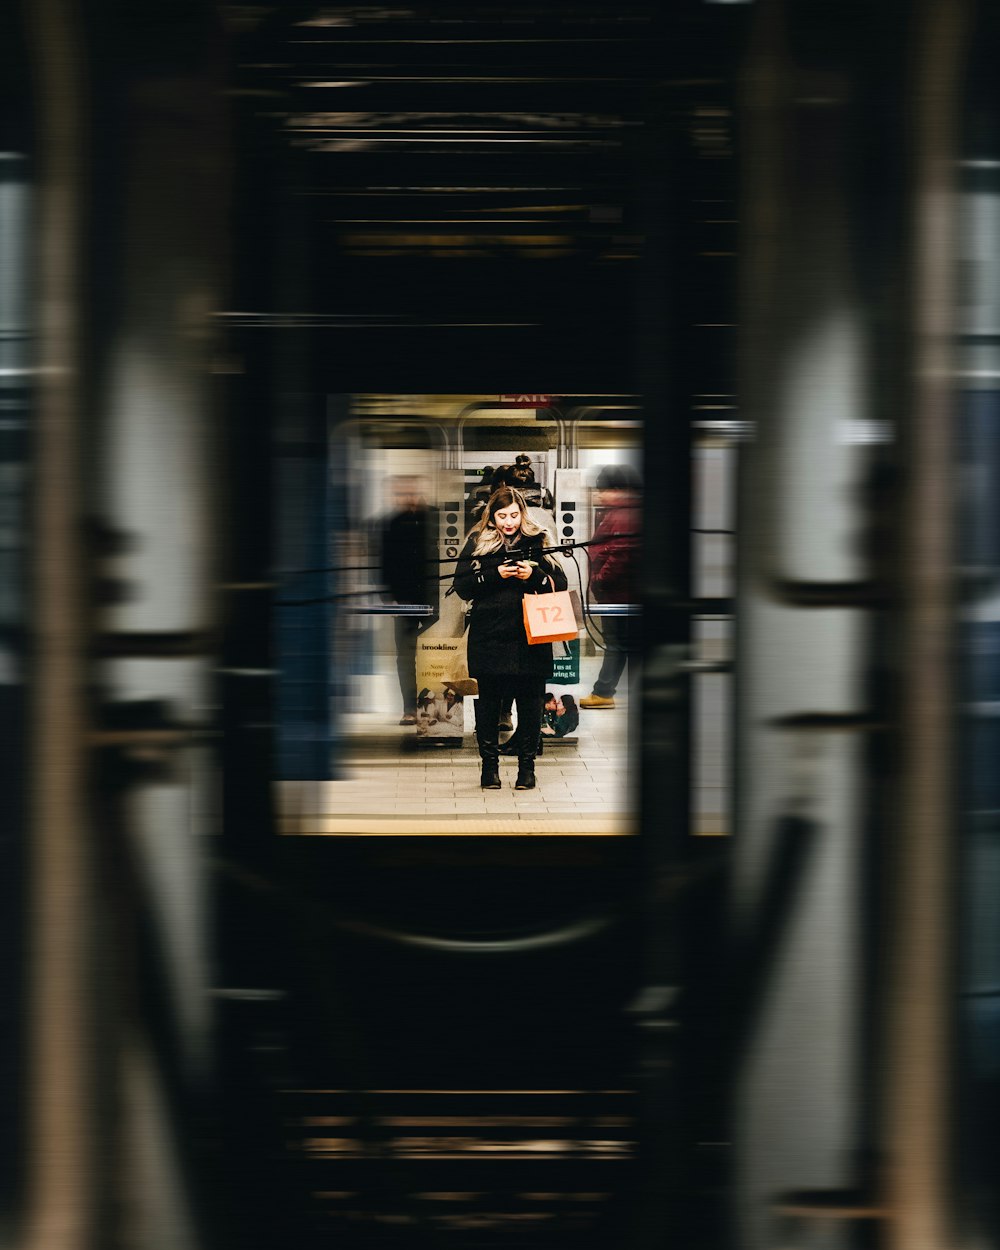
501,562
409,573
614,574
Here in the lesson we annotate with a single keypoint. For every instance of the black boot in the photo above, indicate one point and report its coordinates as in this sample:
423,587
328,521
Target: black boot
513,745
525,773
489,753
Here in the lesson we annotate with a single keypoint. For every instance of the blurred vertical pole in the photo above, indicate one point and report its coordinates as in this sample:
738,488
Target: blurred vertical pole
302,486
247,673
251,939
153,473
919,986
117,964
978,781
662,1204
802,629
59,1137
16,238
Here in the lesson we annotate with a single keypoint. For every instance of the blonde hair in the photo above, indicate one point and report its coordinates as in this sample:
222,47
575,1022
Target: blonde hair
489,538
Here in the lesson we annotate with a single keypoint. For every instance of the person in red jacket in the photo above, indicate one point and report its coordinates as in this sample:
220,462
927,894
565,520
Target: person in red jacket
614,574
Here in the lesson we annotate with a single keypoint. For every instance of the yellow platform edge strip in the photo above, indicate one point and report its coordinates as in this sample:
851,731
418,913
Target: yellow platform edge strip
326,826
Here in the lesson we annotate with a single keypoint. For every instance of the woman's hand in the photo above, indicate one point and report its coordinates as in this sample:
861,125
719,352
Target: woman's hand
520,569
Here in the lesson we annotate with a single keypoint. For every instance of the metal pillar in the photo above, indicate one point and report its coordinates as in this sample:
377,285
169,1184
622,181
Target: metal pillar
16,234
811,366
118,1047
59,1120
919,1003
977,338
797,988
153,485
662,1206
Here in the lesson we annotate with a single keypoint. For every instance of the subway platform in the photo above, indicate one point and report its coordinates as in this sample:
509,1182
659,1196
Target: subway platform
394,784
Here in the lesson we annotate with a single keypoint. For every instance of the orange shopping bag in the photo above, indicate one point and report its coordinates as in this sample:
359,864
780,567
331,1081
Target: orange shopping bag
549,618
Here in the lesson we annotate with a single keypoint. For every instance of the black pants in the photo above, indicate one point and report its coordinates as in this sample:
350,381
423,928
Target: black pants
529,694
620,640
407,630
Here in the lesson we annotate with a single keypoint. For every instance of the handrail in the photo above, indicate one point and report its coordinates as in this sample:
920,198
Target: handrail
568,935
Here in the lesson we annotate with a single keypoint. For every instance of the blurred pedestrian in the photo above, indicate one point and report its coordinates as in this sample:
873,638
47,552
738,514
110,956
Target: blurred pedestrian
410,576
614,574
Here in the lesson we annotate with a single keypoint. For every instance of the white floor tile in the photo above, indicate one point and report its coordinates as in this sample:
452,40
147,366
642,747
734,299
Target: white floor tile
389,778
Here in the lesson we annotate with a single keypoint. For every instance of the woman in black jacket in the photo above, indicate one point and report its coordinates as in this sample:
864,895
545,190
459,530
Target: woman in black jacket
501,562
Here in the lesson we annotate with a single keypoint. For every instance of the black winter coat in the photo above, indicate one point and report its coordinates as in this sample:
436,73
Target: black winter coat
409,556
498,644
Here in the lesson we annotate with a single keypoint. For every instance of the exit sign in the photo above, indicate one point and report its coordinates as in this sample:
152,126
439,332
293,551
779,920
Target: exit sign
527,401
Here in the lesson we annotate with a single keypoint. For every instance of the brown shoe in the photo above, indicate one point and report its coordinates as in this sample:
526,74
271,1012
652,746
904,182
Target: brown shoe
596,700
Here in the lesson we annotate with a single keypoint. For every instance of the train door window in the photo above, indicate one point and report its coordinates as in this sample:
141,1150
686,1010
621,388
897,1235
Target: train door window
409,477
713,542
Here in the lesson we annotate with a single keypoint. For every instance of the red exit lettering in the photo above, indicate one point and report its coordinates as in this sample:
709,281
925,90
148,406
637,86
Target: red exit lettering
527,401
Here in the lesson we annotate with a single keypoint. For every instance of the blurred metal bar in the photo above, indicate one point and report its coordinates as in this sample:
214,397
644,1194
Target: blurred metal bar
977,339
614,609
59,1119
304,477
803,594
919,1003
153,480
660,691
803,583
396,609
152,644
16,239
523,944
118,1030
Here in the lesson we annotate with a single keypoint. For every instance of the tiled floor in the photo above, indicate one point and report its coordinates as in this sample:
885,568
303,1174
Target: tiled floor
396,785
